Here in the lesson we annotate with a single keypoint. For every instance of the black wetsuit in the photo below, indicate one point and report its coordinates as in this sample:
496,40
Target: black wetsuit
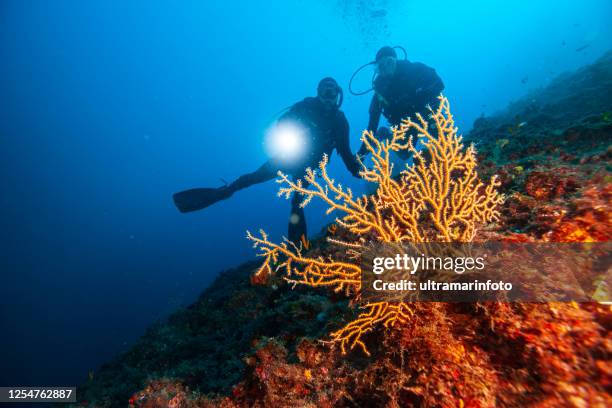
409,90
328,130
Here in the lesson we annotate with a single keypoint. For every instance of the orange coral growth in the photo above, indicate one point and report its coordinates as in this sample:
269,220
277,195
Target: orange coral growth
543,185
591,219
343,276
437,199
380,312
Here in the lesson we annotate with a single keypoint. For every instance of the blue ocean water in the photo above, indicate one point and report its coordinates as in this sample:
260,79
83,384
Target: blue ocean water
107,108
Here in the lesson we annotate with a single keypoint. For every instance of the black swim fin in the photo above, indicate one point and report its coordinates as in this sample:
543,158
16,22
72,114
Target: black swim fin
199,198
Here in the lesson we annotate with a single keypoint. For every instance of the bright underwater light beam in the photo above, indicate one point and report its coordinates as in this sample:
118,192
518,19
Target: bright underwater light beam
287,142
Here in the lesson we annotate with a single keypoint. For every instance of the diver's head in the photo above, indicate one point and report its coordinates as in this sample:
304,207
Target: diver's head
386,61
329,93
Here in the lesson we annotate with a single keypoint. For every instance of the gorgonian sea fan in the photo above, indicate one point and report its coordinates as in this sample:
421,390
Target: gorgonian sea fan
438,198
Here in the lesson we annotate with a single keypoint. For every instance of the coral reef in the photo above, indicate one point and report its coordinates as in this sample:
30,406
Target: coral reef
244,345
438,198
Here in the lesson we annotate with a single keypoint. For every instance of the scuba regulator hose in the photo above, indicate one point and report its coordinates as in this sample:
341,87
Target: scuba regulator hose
350,87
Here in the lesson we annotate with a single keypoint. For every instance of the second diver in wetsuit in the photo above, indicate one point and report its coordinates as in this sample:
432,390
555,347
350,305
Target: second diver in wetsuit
401,89
326,129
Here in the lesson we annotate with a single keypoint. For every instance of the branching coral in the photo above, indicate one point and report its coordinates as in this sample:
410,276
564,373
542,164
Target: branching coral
439,198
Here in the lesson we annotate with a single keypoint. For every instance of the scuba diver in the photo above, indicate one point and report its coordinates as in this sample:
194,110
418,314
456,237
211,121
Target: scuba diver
307,130
401,89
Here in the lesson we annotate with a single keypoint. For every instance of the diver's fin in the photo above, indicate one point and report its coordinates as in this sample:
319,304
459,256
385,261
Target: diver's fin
199,198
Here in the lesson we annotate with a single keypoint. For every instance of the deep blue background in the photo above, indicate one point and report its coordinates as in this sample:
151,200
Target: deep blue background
107,107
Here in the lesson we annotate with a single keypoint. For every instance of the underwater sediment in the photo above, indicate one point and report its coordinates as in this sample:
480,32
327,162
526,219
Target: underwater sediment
244,345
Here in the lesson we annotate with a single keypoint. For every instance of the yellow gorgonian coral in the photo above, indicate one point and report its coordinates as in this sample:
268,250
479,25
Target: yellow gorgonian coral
439,198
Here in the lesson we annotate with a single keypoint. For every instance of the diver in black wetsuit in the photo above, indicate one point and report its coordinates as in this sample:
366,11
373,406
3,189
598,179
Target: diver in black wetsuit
326,129
401,89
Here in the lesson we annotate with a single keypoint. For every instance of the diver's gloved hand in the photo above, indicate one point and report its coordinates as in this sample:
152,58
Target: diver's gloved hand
362,153
383,133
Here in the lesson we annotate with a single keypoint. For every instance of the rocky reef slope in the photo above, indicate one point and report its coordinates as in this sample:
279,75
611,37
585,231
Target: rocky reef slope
247,345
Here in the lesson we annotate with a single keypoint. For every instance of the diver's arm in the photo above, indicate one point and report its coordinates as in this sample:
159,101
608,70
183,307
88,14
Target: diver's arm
344,149
375,112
